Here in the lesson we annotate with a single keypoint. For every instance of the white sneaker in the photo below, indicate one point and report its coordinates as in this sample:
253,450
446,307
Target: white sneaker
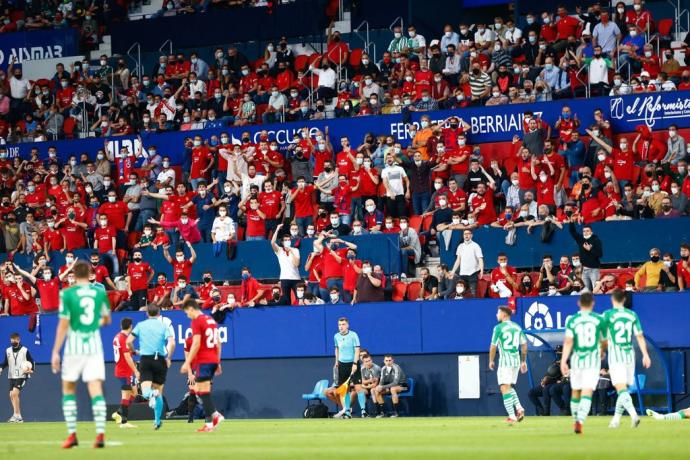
635,422
339,414
117,418
615,423
12,419
656,415
127,425
18,420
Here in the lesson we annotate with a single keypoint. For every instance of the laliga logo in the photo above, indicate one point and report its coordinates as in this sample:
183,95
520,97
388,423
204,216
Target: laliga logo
537,317
617,108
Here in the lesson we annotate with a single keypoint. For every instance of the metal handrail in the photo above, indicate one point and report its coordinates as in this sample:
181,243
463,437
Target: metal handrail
395,21
134,53
169,43
365,38
587,87
678,15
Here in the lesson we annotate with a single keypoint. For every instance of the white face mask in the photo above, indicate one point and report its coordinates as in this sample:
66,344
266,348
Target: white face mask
335,222
503,264
442,202
576,263
403,226
515,182
371,208
334,297
299,293
180,259
601,157
460,289
287,243
366,270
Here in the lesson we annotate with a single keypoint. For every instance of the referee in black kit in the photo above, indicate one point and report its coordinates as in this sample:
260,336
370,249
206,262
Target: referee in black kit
346,358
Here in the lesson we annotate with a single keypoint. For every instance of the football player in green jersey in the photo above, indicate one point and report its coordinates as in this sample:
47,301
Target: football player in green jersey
83,310
621,325
511,343
584,334
680,415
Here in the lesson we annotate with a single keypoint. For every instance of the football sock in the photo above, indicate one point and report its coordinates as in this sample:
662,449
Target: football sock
675,415
191,405
516,400
626,402
69,410
124,409
379,408
158,411
98,407
146,393
574,405
583,409
346,402
395,408
209,408
508,404
362,400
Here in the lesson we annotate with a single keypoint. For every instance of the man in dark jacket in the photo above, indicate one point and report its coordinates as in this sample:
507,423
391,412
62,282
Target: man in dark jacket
552,386
591,251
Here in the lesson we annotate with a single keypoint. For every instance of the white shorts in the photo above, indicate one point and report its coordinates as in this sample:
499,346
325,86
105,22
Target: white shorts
88,367
622,374
584,379
507,375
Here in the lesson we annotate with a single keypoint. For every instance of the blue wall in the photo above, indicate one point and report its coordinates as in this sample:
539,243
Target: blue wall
292,347
400,327
624,242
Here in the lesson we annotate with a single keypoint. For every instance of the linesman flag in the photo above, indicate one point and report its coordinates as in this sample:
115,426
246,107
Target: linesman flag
344,390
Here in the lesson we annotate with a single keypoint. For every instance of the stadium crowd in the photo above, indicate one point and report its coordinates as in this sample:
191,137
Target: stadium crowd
119,202
552,56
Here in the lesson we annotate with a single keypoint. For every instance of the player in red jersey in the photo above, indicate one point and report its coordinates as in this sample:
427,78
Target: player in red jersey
204,360
126,372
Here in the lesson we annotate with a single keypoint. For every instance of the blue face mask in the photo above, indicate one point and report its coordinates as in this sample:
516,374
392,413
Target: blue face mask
245,276
509,216
425,98
565,115
214,142
548,66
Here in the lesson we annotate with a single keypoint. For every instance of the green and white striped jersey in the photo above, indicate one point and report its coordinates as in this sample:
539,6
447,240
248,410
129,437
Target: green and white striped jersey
83,306
587,330
508,337
622,325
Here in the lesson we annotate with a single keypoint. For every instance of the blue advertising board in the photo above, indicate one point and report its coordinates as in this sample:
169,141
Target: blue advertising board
36,45
488,124
393,327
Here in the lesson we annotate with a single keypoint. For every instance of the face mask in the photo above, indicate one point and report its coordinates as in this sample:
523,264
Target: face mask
548,66
543,179
111,199
633,33
179,258
299,293
654,259
460,289
442,202
367,164
288,243
515,182
366,270
335,222
552,291
523,214
655,188
69,260
624,147
503,264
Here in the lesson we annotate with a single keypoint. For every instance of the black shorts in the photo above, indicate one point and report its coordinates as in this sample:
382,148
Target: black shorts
17,383
153,369
344,371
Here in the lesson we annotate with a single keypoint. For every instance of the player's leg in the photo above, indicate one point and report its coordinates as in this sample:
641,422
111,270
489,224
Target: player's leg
361,399
680,415
519,410
378,396
395,399
576,392
69,411
503,376
158,406
191,403
93,376
203,389
99,409
14,399
585,405
125,402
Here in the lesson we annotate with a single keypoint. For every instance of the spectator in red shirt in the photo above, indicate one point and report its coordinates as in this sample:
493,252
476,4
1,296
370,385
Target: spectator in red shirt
53,240
48,286
181,266
205,289
565,26
139,275
18,296
623,158
683,267
161,292
251,293
73,230
302,196
504,279
548,29
256,219
187,227
352,267
545,186
105,242
202,162
101,271
483,208
117,212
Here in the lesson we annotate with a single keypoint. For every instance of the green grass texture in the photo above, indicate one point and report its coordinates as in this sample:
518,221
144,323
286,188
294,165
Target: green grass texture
402,438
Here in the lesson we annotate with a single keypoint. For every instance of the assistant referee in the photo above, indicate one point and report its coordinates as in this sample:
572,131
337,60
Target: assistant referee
346,359
156,346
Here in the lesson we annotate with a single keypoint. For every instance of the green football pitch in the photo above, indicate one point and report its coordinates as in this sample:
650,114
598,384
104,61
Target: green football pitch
418,438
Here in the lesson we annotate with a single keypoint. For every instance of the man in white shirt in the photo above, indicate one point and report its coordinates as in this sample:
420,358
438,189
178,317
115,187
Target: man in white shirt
397,188
469,261
19,88
289,260
484,37
326,84
167,174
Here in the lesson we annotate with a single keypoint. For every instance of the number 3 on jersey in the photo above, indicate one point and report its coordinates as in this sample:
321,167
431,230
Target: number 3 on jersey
212,338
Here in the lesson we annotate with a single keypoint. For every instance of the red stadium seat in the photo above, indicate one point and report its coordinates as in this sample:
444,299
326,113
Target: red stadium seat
426,222
356,57
301,62
413,290
399,290
664,27
416,223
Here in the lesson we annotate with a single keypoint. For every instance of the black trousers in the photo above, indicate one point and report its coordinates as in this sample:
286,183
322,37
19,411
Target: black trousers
396,207
286,286
552,392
